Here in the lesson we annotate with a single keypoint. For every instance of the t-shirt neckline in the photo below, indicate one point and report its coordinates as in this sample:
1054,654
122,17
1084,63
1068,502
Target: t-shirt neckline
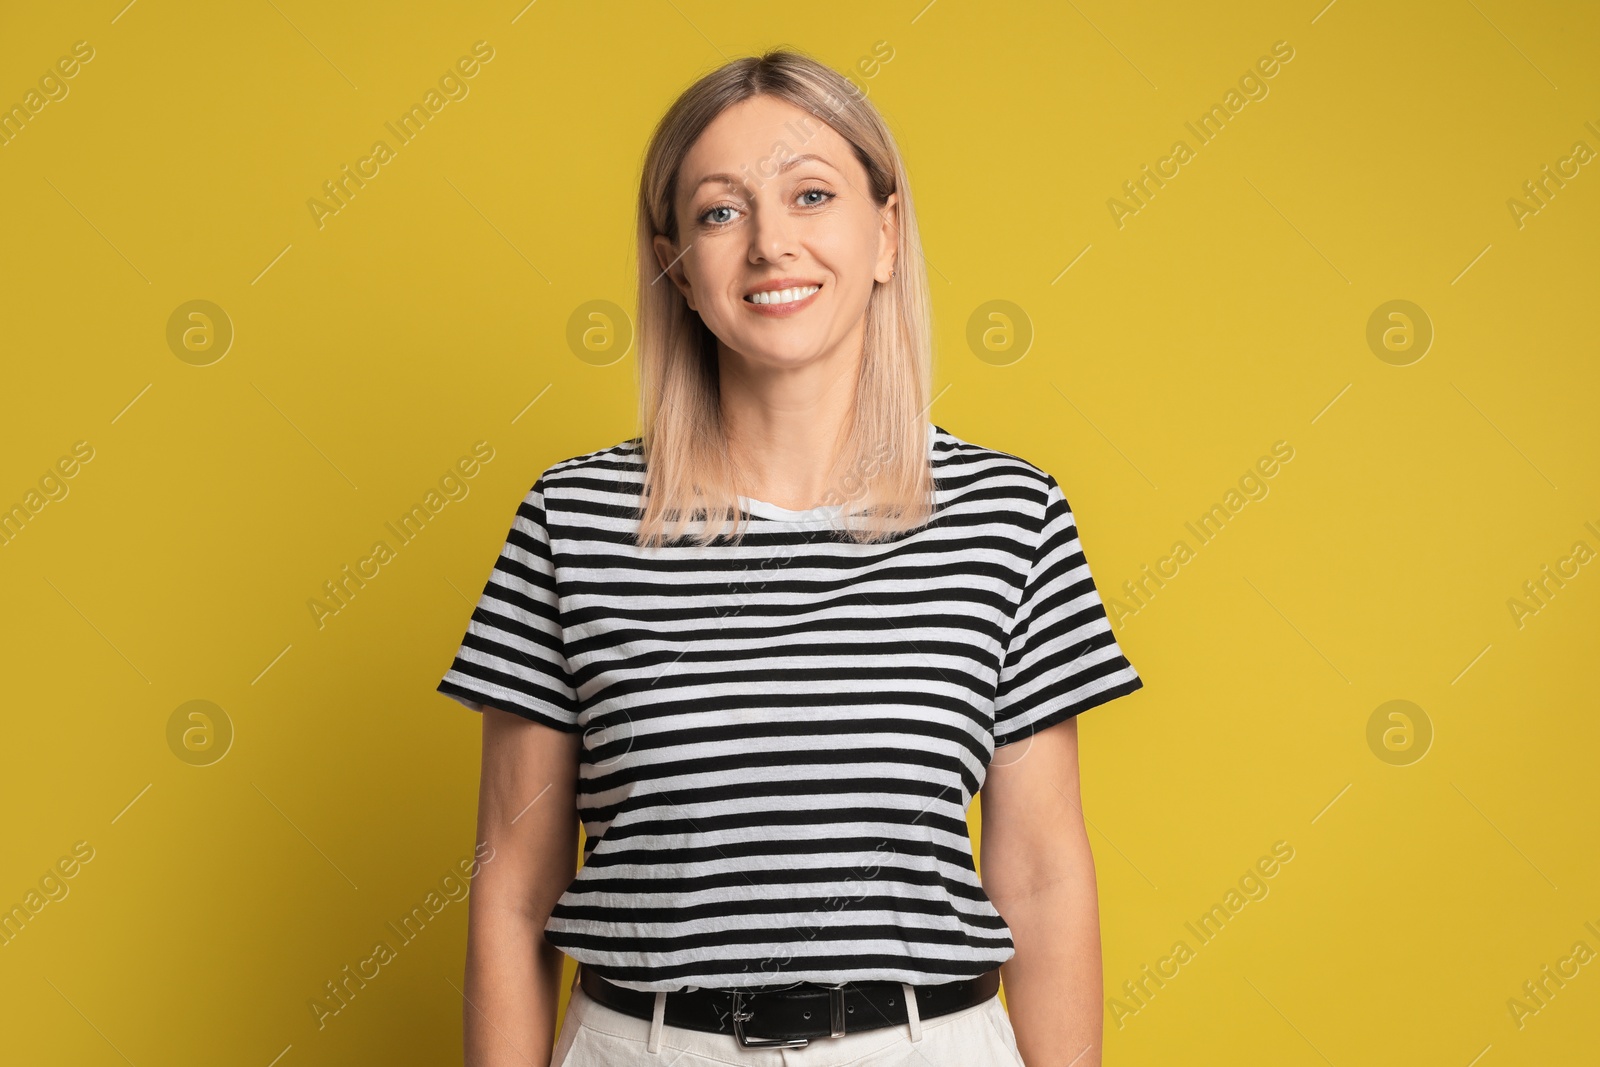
823,513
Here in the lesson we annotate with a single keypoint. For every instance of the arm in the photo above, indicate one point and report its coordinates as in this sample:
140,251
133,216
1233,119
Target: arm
1038,871
527,812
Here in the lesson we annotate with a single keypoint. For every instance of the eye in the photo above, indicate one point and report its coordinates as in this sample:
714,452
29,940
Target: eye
825,196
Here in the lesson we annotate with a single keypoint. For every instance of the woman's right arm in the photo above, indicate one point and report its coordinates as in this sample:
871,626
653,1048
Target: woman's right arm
527,814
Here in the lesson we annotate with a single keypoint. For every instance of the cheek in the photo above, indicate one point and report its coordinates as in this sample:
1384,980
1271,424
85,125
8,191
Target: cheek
711,275
849,259
849,250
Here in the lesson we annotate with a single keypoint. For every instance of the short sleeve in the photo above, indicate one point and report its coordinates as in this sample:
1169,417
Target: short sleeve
1060,656
513,656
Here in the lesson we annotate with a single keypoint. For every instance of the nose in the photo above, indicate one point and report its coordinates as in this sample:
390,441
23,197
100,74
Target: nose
773,234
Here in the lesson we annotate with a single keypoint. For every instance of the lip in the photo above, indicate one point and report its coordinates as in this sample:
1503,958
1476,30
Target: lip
783,311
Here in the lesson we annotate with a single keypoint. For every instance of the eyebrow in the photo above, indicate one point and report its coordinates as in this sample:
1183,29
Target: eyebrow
792,161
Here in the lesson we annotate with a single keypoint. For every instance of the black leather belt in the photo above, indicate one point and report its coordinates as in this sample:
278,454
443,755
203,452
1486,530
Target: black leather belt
789,1016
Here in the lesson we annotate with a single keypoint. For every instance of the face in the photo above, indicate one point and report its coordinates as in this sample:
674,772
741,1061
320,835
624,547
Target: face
772,194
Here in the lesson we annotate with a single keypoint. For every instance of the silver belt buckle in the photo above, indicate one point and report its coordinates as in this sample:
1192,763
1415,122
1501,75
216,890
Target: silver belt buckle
742,1014
836,1013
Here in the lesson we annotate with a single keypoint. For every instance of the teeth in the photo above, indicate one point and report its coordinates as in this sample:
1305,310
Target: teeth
783,296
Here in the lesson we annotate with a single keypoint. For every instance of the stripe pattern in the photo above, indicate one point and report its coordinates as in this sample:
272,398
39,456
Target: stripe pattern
781,738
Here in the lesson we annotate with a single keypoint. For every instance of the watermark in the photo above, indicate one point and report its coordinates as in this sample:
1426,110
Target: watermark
52,89
869,66
452,86
1543,189
1251,486
1399,332
199,332
852,484
999,332
1537,993
199,733
53,888
1538,592
52,488
1137,993
339,593
341,990
1252,85
599,332
1399,733
823,916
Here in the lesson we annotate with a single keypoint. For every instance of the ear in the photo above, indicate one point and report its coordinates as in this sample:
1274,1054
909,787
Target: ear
888,238
667,258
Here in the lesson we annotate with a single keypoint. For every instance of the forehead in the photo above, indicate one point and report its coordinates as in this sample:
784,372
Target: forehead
753,137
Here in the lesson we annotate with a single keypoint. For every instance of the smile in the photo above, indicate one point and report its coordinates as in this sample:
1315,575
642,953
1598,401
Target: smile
781,303
782,296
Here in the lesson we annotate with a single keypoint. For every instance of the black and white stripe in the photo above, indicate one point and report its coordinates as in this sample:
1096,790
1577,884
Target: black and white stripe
781,738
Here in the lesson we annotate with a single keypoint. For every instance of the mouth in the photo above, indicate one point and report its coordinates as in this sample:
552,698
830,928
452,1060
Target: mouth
788,295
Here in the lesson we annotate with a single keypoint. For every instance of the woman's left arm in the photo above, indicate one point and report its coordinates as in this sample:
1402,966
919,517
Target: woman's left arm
1037,870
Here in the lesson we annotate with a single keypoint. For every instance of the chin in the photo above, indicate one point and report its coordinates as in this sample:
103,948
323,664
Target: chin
777,342
785,357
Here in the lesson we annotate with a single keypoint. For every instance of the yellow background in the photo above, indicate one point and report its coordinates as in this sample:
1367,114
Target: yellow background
431,312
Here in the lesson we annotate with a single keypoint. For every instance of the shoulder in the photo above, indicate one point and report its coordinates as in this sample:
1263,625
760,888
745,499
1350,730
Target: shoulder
603,477
619,458
977,476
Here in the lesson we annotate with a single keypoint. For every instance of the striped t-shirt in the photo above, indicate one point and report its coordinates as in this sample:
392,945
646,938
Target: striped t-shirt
781,738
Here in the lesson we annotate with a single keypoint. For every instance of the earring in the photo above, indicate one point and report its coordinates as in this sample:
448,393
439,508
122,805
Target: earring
891,272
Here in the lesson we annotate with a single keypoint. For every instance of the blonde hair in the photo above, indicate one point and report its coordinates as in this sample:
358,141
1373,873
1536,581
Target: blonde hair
888,487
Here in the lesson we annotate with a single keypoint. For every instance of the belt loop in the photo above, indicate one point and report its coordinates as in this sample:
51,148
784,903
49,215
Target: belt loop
913,1012
657,1020
836,1021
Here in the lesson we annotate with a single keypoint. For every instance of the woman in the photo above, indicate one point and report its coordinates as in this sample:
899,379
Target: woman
770,650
